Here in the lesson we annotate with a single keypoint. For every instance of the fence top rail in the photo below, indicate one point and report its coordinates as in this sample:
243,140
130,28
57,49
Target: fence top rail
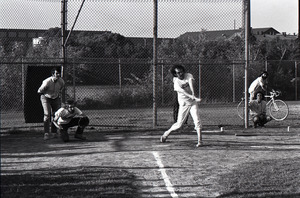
59,61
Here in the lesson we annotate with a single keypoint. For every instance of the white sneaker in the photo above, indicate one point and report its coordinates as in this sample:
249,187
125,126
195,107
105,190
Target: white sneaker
199,144
46,136
163,139
197,99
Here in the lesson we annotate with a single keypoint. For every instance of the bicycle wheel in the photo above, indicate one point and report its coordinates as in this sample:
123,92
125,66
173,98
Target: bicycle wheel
241,110
278,110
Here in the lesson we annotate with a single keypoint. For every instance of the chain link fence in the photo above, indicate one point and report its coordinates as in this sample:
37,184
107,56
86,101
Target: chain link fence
109,68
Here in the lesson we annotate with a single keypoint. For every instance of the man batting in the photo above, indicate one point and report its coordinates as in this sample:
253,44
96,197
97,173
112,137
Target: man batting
188,103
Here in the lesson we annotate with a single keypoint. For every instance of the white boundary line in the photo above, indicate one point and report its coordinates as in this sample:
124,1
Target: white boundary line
164,175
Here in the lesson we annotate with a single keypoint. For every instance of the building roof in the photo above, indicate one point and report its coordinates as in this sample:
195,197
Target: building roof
229,34
262,31
210,35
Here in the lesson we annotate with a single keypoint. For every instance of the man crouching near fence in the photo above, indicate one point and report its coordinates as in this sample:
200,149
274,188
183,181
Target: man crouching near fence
69,116
258,110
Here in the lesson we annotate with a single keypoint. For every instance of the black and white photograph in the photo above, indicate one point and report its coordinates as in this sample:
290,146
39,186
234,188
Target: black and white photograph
150,98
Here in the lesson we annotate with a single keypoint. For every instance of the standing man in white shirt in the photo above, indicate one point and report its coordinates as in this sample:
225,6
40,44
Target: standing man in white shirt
259,84
50,92
188,103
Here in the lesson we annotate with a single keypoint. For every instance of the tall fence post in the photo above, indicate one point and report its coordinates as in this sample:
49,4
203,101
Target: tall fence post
63,40
23,81
199,73
162,83
155,2
296,80
247,55
233,82
74,81
120,76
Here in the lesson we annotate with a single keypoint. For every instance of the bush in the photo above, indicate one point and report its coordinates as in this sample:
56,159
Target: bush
116,99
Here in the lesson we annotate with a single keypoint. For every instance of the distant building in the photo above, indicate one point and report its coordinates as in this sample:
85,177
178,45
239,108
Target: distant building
271,33
37,41
264,31
259,33
35,36
211,35
21,34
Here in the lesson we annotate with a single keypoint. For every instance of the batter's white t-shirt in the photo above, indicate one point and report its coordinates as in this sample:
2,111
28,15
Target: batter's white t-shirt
180,85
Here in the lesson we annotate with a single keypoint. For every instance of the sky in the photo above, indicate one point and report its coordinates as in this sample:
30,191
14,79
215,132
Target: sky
135,18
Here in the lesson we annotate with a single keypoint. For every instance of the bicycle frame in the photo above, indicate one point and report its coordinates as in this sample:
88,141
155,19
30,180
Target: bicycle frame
272,96
271,100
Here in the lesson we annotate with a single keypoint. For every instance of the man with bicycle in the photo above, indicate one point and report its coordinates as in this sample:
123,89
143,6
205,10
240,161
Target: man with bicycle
258,110
259,84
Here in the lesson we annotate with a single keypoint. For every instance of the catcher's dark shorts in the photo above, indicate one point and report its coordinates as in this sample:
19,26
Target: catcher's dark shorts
83,121
77,121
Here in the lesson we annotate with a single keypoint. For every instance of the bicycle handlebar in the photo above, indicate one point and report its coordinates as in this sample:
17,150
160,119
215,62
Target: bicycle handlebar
275,93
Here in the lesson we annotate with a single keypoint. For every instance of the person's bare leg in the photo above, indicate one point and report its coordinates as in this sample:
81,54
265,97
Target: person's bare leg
199,135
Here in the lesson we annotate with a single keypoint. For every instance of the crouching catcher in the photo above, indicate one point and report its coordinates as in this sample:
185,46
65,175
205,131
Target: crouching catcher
69,116
258,110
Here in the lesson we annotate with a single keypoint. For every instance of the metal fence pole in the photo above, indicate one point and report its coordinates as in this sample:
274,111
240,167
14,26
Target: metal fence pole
23,81
155,2
162,83
266,69
247,52
63,40
233,82
120,76
199,73
74,82
296,81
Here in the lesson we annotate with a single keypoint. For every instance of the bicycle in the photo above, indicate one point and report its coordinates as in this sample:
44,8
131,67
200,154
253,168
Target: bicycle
276,108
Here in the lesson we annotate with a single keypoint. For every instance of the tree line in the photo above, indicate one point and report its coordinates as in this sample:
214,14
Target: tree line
216,55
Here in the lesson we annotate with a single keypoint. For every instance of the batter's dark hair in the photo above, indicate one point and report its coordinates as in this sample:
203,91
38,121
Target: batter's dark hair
177,66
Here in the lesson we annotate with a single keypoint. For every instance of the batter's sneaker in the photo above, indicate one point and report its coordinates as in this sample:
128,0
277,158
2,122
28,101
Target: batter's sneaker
199,144
163,139
46,136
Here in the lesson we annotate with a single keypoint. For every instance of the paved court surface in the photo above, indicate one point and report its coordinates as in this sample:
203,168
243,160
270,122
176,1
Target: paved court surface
172,169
